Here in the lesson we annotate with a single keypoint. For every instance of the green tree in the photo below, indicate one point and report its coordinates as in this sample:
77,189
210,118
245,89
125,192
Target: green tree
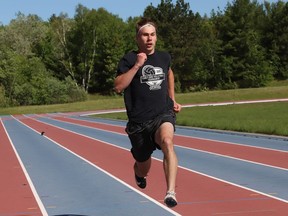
241,35
23,34
57,47
210,69
177,33
275,38
24,78
96,46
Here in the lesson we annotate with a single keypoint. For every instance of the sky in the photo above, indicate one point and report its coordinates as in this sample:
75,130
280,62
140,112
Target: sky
123,8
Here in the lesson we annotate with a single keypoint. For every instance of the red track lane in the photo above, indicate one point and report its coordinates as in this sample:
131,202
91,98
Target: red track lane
16,197
258,155
102,126
197,194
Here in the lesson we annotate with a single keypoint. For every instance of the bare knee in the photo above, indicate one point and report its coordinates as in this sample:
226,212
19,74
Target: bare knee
164,137
167,145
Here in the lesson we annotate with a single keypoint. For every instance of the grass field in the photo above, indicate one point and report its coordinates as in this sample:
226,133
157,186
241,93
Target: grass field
267,118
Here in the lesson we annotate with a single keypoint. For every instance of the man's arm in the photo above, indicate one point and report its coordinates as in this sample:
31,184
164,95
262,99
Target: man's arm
122,81
171,90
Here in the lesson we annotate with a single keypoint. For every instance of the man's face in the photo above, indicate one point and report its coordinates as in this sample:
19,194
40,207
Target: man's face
146,39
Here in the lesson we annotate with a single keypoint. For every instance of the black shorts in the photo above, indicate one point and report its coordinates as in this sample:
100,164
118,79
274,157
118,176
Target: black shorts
141,135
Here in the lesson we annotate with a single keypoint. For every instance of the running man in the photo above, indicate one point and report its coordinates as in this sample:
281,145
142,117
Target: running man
147,80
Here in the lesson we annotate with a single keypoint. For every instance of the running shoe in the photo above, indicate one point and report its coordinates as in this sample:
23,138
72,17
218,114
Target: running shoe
140,181
170,199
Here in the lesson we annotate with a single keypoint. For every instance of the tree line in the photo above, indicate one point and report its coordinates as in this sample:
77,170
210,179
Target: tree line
63,59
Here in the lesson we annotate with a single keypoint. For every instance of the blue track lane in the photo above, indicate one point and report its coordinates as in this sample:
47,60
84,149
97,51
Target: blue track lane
69,185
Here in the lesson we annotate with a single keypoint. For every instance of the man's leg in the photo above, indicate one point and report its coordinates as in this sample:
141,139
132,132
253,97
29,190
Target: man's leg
142,168
164,138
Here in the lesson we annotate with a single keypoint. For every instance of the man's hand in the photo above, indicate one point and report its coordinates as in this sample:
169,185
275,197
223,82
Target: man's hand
177,107
141,58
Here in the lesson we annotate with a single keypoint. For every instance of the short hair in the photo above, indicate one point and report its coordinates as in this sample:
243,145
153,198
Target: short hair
144,21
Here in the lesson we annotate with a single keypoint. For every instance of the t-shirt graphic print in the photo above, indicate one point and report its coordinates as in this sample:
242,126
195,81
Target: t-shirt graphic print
152,76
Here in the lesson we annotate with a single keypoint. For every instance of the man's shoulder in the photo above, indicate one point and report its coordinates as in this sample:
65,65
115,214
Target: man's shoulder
130,55
163,54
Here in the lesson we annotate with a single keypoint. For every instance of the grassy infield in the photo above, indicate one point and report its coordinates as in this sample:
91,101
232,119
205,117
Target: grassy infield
266,118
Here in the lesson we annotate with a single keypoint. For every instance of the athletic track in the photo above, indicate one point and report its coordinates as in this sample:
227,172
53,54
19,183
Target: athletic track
82,166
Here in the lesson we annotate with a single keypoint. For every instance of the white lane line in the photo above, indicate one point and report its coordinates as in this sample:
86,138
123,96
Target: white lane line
236,102
187,106
33,189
